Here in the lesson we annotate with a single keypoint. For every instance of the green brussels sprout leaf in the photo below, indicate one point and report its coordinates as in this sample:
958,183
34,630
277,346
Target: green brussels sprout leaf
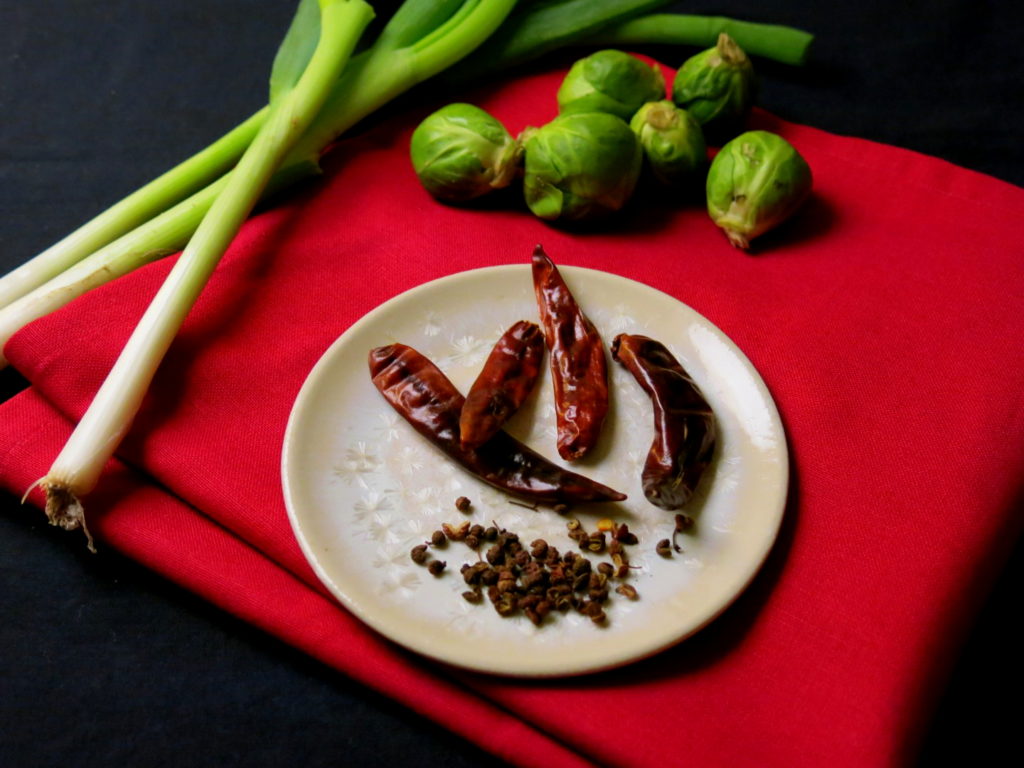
610,81
717,85
672,141
460,152
580,166
757,181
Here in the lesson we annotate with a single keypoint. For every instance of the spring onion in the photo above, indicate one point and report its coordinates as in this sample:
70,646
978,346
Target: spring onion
200,204
770,41
77,468
529,32
424,37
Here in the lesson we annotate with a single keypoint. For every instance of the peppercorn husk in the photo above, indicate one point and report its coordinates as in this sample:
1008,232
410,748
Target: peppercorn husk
627,590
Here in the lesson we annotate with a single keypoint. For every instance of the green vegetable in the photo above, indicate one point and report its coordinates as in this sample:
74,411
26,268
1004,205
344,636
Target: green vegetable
423,37
77,468
671,139
757,181
460,152
580,166
296,50
717,85
610,81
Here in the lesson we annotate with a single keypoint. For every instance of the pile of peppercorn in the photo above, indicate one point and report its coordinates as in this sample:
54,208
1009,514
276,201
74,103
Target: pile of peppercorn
538,580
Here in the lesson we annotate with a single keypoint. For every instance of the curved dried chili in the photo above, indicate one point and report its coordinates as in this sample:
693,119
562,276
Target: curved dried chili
424,396
579,370
684,424
504,383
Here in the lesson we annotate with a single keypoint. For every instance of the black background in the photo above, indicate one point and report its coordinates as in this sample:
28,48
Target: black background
104,663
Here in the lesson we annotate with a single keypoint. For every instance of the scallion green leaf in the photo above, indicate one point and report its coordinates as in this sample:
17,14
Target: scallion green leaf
296,49
77,468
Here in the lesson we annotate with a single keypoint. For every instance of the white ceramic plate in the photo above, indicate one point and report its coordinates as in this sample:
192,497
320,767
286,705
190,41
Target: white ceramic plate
362,488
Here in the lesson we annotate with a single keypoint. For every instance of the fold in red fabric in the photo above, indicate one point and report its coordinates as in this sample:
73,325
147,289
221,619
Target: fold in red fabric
886,320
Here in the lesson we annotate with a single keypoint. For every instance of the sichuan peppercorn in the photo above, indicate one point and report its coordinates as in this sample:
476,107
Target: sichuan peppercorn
419,554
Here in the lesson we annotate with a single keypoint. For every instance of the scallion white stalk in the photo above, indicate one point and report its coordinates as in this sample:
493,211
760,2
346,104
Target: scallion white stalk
399,59
171,230
138,208
77,468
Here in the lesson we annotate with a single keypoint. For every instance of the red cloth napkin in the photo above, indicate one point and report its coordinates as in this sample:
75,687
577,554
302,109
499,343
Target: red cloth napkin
886,320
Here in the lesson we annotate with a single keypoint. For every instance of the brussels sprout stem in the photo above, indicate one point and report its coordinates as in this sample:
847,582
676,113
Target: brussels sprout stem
77,468
771,41
729,50
661,115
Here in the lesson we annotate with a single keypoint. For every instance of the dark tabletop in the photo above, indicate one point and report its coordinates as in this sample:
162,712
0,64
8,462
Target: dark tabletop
103,663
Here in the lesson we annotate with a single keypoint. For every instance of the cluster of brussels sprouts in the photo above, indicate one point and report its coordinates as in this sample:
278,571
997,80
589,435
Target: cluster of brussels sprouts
613,118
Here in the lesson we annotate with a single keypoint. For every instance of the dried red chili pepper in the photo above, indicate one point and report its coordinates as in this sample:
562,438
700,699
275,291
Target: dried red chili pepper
424,396
503,385
684,424
579,370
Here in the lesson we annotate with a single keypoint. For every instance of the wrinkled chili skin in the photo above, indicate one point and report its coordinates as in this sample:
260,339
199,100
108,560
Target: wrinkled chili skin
684,425
424,396
504,383
579,370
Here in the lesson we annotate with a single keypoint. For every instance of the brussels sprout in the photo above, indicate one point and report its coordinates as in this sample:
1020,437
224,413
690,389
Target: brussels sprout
580,166
672,141
755,183
610,81
460,152
717,85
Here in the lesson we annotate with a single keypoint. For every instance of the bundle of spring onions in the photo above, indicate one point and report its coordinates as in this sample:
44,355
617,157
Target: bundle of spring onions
324,80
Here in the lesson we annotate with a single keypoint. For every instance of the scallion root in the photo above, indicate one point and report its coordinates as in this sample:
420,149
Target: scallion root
65,510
